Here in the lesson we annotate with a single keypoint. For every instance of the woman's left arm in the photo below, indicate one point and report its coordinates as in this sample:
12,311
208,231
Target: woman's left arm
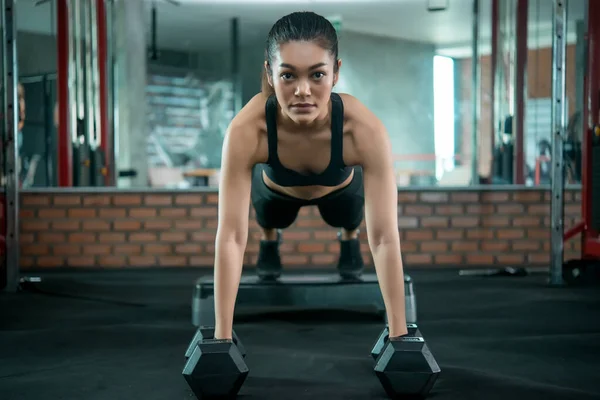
381,217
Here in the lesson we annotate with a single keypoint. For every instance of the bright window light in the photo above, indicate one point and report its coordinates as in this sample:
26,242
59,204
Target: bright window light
443,109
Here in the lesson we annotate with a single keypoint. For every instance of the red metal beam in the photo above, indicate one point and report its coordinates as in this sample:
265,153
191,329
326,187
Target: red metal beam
65,149
105,136
520,90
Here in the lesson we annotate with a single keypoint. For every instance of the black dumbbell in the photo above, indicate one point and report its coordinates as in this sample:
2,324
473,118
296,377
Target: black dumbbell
413,330
406,367
214,368
208,332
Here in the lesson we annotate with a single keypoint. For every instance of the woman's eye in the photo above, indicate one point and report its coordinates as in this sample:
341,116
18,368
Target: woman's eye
319,75
286,76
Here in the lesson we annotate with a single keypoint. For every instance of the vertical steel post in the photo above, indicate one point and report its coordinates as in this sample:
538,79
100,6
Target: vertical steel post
559,124
10,82
475,94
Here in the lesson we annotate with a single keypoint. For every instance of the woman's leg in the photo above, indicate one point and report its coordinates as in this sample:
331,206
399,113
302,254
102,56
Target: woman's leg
344,209
274,212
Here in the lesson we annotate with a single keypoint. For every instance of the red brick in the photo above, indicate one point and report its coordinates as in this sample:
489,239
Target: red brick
495,246
26,237
495,221
464,197
127,200
203,212
538,258
323,259
510,234
143,212
404,197
294,259
67,200
481,209
526,221
35,249
112,213
434,222
127,225
538,209
417,210
111,261
34,226
26,262
94,249
158,225
80,237
527,197
419,235
464,246
464,222
173,237
67,225
415,259
50,261
408,222
434,247
481,234
82,213
406,247
510,259
450,234
141,261
173,212
89,200
305,212
449,210
479,259
433,197
52,213
158,200
189,199
212,198
188,248
311,247
23,213
143,237
111,237
204,236
504,209
50,237
30,199
453,259
172,261
526,245
96,225
155,248
127,249
325,235
495,197
188,225
538,233
310,223
66,249
296,235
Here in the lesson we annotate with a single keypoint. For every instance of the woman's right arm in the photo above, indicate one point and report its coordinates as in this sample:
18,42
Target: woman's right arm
238,153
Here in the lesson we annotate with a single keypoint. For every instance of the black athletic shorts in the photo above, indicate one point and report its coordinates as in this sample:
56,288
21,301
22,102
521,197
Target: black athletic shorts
343,208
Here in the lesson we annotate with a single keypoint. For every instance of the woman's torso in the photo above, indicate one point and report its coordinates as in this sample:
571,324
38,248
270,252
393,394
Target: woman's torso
304,151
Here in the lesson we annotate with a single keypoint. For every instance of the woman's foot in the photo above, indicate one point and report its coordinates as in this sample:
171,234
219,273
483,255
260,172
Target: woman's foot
350,264
268,266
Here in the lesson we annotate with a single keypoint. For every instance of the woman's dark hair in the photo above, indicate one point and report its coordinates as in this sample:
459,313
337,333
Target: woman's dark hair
299,26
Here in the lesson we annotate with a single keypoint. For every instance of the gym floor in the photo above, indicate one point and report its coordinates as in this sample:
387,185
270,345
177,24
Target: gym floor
122,335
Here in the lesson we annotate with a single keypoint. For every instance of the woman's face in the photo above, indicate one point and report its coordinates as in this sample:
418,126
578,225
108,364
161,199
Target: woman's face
302,75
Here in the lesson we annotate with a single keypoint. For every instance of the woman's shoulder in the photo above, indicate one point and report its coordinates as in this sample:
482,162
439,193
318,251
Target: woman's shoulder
251,118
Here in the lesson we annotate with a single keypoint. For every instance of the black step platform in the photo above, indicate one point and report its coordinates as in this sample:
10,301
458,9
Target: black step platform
302,291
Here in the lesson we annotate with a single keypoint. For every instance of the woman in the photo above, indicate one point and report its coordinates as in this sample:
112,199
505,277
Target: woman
297,143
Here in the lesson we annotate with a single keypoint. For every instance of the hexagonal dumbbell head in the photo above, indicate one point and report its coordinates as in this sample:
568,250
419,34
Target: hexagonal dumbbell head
208,332
406,367
215,368
413,330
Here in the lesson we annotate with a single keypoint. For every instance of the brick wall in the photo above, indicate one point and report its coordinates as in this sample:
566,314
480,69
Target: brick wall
173,229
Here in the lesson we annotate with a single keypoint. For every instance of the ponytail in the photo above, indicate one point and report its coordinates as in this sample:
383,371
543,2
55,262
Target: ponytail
265,88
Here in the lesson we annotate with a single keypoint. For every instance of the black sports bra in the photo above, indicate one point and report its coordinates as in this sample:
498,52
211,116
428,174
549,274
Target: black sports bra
335,173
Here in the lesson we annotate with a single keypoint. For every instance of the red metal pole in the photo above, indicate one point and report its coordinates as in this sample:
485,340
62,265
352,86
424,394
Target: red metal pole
591,243
65,149
520,90
105,137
